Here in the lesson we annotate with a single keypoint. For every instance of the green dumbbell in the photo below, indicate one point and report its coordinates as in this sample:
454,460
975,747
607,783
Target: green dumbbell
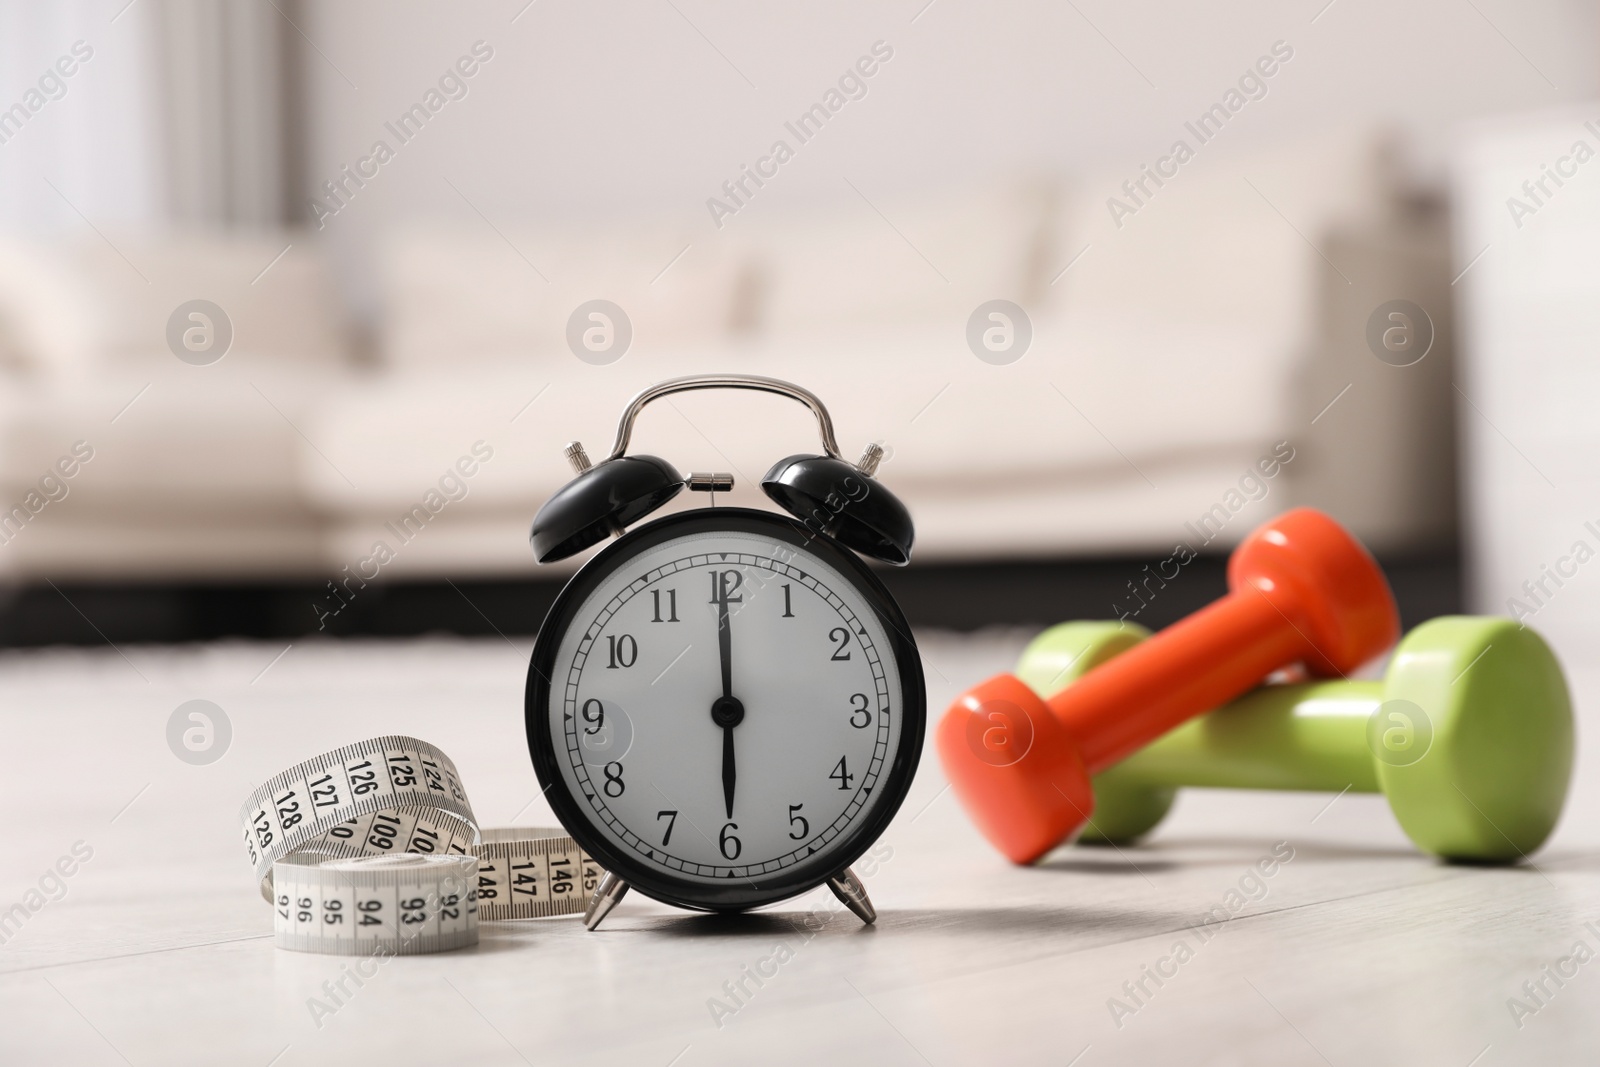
1469,735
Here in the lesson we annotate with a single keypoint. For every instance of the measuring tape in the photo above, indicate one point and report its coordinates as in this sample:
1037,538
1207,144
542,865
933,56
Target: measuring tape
373,849
402,904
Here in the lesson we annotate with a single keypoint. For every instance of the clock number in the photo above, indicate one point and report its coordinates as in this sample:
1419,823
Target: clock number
672,605
624,651
595,712
731,846
841,775
841,635
858,706
723,584
796,817
788,607
672,820
614,778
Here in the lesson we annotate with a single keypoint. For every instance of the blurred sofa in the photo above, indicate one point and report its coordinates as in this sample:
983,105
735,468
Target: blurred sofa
1169,354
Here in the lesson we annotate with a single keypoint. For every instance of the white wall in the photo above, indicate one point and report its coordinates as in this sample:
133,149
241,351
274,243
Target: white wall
96,138
604,108
1530,385
1531,326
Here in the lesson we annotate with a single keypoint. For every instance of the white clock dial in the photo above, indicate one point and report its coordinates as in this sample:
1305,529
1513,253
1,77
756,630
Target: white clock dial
726,705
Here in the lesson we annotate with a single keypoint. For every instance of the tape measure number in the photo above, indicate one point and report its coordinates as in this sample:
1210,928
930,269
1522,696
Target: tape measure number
373,848
402,904
533,874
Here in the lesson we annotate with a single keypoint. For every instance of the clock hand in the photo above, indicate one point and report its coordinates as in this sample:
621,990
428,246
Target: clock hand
724,639
729,773
726,711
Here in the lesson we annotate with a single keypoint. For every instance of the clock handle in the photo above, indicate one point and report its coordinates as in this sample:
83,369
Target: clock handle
607,896
848,888
727,381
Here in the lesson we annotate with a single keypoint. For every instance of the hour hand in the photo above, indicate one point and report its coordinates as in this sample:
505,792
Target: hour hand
730,773
727,713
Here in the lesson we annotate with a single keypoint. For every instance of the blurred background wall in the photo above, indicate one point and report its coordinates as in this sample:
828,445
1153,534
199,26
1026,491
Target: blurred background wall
394,214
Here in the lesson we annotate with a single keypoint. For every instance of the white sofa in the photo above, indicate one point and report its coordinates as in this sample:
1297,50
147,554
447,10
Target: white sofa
1175,351
197,471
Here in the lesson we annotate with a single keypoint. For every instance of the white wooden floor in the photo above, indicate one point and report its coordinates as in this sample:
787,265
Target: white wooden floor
1357,951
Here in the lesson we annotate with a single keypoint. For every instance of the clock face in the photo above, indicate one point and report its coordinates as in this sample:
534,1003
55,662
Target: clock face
723,709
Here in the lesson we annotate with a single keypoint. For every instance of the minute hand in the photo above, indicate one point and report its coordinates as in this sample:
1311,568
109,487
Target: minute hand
724,640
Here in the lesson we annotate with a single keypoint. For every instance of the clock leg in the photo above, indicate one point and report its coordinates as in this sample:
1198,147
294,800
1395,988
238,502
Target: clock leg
848,888
609,894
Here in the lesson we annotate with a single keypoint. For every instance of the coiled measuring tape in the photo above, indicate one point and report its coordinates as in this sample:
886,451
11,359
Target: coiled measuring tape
373,849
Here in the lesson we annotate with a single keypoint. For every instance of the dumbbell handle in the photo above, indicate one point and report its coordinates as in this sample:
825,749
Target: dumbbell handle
1190,667
1309,736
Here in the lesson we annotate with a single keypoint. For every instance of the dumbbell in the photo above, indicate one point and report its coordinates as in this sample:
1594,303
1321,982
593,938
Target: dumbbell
1469,735
1301,590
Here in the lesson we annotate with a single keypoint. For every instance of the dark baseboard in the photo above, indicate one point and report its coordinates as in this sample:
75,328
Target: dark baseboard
967,596
964,596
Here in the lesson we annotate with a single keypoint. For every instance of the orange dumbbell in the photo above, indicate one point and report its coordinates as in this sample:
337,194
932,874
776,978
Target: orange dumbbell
1302,590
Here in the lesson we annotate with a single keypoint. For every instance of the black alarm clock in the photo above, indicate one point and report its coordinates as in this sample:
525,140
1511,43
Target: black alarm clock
725,706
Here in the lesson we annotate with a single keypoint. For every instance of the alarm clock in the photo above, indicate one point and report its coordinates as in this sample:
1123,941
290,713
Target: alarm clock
725,706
